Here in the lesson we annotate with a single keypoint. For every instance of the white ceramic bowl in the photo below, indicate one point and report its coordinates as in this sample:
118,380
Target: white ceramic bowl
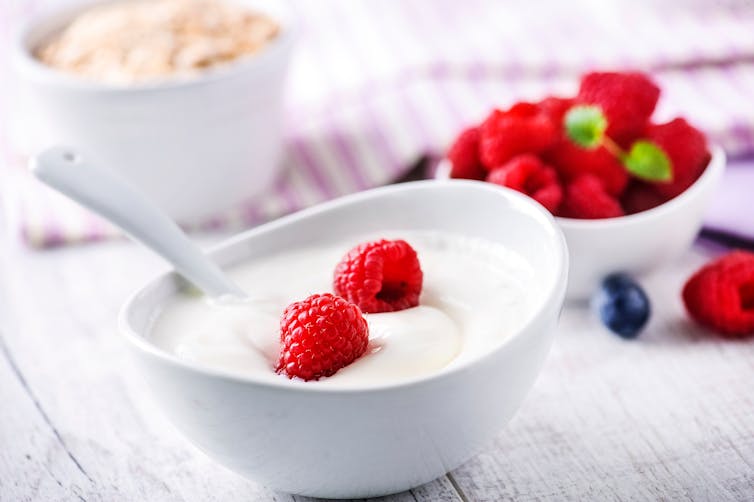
641,242
363,442
195,146
637,243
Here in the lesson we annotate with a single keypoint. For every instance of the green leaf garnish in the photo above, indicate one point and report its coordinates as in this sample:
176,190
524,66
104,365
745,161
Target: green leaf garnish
585,125
648,161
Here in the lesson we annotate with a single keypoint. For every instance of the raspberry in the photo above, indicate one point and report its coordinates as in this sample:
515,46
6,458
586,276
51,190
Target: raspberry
556,108
464,156
626,99
687,149
639,197
571,161
524,128
585,197
720,295
319,336
380,276
527,174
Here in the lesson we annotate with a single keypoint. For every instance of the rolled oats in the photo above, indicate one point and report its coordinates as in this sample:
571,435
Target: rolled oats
142,40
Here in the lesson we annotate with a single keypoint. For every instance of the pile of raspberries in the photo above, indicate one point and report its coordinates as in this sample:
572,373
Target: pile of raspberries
528,148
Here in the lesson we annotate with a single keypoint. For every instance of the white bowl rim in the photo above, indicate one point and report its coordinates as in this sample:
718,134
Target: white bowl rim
710,174
556,293
30,67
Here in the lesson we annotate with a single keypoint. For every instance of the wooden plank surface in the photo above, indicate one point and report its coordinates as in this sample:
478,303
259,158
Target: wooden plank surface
670,416
34,459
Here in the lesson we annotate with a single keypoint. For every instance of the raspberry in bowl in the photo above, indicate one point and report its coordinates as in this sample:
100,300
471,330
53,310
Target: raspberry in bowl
407,385
628,193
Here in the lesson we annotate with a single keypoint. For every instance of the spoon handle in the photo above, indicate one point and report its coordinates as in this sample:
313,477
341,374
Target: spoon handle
105,193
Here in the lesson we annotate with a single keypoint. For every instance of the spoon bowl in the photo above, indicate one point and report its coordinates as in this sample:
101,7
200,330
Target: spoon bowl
375,440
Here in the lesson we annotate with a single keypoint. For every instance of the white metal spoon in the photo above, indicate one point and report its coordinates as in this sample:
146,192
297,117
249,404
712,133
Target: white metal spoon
112,197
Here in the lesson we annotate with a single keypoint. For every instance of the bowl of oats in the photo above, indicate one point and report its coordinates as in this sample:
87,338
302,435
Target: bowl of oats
183,98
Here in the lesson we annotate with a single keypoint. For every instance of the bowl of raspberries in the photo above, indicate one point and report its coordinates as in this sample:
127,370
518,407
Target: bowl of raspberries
628,193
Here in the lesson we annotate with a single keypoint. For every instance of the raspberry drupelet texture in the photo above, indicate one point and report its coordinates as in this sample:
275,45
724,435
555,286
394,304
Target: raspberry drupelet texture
627,100
686,148
524,128
380,276
586,198
555,108
319,336
464,156
527,174
720,295
573,161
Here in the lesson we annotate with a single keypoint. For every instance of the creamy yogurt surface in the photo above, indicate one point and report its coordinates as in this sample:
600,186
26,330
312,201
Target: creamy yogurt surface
475,294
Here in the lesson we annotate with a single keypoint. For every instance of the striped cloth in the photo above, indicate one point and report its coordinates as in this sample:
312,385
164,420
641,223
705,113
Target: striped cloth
377,85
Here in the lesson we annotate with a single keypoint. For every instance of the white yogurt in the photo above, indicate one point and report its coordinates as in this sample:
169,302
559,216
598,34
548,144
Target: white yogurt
475,294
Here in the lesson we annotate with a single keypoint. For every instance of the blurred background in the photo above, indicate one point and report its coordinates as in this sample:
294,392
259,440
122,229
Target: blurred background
377,87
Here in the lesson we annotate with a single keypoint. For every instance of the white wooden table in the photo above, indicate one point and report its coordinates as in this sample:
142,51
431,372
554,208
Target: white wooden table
669,416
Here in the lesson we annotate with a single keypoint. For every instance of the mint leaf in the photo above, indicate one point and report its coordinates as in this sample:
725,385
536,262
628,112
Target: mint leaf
648,161
585,125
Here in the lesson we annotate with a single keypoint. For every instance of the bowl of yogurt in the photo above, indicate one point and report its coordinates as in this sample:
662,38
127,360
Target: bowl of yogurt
438,381
183,98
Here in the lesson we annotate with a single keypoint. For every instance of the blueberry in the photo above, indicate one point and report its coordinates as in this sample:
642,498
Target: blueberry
622,305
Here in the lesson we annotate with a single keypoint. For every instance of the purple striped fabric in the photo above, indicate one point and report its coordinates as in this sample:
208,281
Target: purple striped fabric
377,85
